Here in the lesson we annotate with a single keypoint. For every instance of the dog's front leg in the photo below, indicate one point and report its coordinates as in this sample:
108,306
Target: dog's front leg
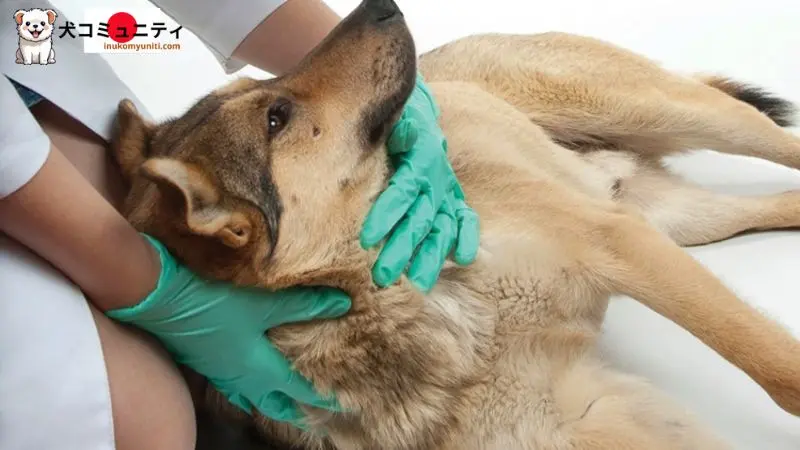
649,267
27,56
45,53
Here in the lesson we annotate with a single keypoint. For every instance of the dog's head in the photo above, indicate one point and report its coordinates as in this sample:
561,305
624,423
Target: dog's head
268,181
35,24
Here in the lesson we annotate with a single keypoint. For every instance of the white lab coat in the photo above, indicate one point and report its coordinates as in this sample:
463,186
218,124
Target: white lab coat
53,388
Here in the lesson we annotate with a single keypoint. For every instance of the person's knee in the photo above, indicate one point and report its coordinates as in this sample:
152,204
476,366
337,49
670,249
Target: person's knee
150,401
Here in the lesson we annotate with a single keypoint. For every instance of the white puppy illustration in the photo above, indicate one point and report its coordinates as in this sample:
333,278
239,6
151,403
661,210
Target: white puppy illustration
35,29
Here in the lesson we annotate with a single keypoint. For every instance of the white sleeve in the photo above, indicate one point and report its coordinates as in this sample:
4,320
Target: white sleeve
24,146
222,26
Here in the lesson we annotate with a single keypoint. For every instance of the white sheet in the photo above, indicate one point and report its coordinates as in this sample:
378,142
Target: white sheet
752,41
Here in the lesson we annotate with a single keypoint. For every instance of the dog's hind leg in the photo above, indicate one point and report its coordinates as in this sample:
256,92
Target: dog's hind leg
731,118
588,93
676,116
646,265
691,214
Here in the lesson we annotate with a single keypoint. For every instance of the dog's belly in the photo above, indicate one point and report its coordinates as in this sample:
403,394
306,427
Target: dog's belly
525,402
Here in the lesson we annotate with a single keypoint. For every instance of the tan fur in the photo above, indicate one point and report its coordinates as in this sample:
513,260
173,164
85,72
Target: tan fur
501,354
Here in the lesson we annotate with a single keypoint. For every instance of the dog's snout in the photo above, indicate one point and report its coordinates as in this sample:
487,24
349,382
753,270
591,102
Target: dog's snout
382,10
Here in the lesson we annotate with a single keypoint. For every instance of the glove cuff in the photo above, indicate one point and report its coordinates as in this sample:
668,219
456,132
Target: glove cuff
141,309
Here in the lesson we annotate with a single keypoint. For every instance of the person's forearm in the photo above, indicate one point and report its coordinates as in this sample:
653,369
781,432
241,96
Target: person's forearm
285,37
60,216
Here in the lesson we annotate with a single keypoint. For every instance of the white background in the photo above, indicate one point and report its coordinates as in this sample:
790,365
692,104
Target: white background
755,41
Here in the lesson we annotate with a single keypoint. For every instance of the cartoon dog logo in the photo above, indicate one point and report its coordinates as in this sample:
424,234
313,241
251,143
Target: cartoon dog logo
35,29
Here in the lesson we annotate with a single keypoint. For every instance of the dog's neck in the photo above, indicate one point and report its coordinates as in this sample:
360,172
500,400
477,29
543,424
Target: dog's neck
349,266
351,272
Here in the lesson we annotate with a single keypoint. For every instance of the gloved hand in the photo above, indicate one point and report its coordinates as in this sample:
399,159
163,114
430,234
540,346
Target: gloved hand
217,329
423,207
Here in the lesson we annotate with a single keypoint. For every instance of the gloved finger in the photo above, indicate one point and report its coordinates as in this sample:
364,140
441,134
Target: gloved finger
468,240
269,368
276,405
390,207
428,263
302,304
403,136
237,400
399,248
280,407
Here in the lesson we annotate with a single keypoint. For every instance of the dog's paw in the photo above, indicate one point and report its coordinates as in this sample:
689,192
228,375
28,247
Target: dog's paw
783,382
788,400
127,107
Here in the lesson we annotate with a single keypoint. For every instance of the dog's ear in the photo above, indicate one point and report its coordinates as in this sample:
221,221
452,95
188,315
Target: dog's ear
18,16
130,139
51,16
196,196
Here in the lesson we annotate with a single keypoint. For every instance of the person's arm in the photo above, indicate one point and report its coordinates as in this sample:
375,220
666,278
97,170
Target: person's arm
47,205
59,215
286,36
272,35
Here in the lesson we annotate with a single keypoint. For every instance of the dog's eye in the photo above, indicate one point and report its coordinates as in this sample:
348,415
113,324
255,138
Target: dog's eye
42,23
27,24
278,115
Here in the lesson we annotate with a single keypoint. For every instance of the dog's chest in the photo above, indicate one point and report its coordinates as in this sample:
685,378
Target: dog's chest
35,47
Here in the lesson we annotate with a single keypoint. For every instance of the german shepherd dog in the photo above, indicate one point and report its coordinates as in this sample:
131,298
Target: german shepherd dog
557,140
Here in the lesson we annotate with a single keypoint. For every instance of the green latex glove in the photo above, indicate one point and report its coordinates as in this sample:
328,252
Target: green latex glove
423,207
218,329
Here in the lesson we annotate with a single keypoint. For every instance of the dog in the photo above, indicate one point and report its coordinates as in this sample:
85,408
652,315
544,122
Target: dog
557,140
35,29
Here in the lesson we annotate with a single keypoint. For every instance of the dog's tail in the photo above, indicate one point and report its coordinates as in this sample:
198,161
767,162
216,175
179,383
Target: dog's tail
783,112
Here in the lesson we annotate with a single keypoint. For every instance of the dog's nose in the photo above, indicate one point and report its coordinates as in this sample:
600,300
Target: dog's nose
382,9
36,25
